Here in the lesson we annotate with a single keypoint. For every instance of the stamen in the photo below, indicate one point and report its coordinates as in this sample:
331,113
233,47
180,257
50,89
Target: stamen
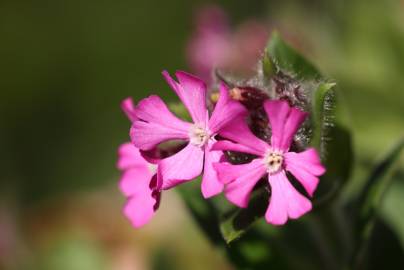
273,160
198,135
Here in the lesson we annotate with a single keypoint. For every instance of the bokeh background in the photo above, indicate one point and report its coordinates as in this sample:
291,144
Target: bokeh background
65,66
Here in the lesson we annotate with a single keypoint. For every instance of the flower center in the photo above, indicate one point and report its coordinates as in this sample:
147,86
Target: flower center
198,135
273,160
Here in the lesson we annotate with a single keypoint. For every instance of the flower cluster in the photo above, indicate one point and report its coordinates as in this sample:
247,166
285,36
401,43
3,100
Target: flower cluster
152,163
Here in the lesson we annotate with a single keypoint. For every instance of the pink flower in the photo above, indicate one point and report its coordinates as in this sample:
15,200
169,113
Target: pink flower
139,181
156,124
209,45
215,45
273,159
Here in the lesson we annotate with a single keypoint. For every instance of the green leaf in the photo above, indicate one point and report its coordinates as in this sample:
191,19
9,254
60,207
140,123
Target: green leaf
322,112
332,140
236,222
268,67
338,159
392,214
203,211
288,60
370,199
249,253
376,184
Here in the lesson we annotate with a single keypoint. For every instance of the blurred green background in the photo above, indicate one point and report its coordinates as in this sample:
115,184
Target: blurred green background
67,64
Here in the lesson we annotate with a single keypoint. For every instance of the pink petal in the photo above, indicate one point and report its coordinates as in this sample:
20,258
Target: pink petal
285,200
129,109
153,109
129,156
308,181
295,119
140,209
240,180
155,185
211,185
230,146
192,92
181,167
151,156
147,136
156,124
225,110
277,112
305,166
136,181
284,122
308,160
239,132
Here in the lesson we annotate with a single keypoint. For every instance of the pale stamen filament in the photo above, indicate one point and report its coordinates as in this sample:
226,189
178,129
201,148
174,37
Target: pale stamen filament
199,135
273,160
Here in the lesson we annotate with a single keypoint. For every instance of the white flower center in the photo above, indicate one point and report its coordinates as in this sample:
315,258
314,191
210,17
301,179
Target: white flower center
273,160
198,135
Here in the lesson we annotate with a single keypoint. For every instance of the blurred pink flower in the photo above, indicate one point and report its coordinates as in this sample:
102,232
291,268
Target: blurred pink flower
139,181
214,45
156,124
273,159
